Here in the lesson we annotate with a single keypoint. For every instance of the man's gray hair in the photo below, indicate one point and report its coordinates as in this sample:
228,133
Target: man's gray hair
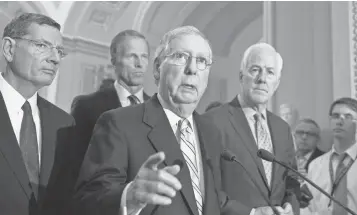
171,35
18,27
261,46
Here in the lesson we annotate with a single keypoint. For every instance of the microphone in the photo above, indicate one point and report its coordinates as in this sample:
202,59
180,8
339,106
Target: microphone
181,165
265,155
229,156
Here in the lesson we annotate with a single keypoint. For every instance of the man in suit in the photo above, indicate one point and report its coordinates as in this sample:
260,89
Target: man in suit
307,135
129,52
247,125
129,55
130,166
31,128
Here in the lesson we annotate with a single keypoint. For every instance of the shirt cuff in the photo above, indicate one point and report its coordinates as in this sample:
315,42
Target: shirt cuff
252,212
123,207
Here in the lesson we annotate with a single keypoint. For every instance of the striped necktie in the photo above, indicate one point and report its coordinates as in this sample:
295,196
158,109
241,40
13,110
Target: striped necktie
133,100
263,142
187,145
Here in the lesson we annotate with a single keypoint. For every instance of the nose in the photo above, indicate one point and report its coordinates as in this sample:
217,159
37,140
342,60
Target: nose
262,76
138,62
191,66
55,57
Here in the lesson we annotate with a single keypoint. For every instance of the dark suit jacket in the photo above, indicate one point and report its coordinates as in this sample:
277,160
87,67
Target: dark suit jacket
317,152
86,109
238,138
123,139
16,194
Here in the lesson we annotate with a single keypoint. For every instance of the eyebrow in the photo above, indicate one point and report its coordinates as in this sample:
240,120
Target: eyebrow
49,43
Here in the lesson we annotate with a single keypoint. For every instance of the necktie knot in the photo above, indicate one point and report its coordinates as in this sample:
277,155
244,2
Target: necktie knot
133,100
258,117
184,125
26,107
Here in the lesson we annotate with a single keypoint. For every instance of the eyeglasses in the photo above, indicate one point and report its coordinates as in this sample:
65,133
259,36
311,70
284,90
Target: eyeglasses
347,117
182,58
307,133
42,47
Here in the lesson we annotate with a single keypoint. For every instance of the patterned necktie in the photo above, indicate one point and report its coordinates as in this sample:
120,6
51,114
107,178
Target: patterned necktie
263,142
340,192
187,145
29,147
133,100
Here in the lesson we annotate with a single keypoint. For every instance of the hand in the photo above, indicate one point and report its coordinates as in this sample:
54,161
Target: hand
266,210
152,185
287,209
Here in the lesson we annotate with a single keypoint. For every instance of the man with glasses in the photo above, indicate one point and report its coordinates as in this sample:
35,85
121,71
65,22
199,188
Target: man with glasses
307,136
132,165
31,127
247,125
336,170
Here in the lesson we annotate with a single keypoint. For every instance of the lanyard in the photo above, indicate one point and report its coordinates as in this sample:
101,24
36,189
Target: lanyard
341,175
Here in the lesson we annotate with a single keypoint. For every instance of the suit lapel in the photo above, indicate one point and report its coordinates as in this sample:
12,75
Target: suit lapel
241,126
278,147
48,143
163,139
10,149
210,202
145,96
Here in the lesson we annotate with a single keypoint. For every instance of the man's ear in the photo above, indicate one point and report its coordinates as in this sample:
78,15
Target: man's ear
240,75
8,48
156,71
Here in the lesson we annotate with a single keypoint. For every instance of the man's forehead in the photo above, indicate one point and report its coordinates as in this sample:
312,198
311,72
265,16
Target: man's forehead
191,43
306,126
263,56
343,108
45,32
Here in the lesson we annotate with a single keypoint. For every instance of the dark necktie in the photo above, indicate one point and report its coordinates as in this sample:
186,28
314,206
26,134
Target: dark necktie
29,147
133,100
341,190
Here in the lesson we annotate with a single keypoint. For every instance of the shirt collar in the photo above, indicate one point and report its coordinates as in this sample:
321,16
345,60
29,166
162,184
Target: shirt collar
13,99
171,116
124,93
351,151
249,111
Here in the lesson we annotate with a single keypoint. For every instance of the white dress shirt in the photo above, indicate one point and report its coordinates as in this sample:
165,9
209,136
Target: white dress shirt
124,93
320,174
14,102
173,120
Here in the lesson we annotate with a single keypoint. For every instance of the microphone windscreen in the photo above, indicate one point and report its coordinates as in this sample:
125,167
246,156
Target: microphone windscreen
179,163
265,155
228,155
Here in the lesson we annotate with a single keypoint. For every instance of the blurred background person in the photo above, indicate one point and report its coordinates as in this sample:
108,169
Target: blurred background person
289,114
336,170
307,136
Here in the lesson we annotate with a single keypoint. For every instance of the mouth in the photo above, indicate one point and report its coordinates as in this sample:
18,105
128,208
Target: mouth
49,71
189,86
261,90
338,130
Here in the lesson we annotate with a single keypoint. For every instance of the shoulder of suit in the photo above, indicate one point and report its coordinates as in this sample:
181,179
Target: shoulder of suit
128,113
55,110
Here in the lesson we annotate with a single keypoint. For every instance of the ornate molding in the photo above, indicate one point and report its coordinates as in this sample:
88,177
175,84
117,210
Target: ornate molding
353,16
86,46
